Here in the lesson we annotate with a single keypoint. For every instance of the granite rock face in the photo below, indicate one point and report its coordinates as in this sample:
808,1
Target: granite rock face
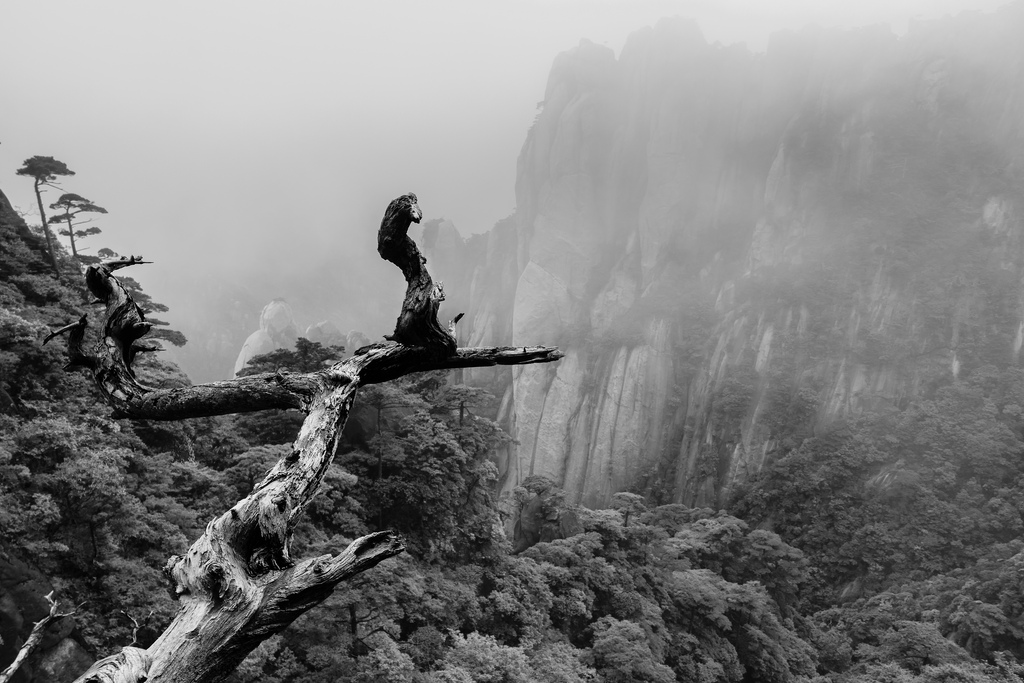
737,250
277,331
325,333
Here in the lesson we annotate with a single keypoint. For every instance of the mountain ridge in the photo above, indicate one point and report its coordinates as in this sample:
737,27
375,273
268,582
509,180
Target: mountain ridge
739,250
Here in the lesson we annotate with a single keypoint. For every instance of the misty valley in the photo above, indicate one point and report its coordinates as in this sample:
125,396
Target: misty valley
737,395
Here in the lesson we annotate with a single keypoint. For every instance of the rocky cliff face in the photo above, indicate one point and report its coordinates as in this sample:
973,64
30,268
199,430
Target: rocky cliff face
736,250
278,330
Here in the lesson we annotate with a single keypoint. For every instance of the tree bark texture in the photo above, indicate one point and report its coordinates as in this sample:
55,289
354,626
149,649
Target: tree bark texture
237,585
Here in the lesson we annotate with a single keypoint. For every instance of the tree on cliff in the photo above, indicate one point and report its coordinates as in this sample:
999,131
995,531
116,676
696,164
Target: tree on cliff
44,171
238,585
72,205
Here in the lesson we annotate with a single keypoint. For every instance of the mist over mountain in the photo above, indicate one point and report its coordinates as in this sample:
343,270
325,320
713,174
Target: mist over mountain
785,442
352,289
738,251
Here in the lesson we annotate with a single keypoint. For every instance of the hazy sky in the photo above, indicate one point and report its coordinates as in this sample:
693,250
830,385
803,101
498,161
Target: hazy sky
257,132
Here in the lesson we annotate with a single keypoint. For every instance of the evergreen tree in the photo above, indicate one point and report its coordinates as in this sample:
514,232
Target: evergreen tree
44,171
72,206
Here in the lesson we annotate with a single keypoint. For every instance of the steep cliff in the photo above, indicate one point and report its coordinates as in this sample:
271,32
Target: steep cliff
736,250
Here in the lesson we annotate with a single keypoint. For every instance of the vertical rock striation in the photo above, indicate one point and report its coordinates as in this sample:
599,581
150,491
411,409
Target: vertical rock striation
737,250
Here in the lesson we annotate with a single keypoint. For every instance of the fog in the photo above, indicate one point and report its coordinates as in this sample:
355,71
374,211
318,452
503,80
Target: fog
256,144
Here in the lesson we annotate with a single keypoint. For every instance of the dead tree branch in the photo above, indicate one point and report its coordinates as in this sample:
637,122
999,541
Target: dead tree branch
34,638
135,626
238,585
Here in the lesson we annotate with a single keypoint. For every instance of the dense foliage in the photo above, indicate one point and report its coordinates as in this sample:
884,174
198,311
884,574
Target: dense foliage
886,550
912,522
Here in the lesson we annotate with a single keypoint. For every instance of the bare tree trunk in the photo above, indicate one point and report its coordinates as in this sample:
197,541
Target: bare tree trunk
238,585
33,639
69,219
46,230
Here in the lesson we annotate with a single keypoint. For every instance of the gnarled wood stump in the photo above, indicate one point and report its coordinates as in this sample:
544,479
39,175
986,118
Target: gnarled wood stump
237,584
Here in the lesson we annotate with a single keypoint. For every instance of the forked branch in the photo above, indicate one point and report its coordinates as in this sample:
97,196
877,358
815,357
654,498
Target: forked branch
238,585
34,638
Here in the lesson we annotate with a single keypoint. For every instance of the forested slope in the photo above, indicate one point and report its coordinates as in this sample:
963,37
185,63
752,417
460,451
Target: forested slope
94,507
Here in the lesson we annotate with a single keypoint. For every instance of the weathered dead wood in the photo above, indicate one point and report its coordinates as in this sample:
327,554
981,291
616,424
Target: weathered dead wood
237,585
417,323
34,638
135,626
